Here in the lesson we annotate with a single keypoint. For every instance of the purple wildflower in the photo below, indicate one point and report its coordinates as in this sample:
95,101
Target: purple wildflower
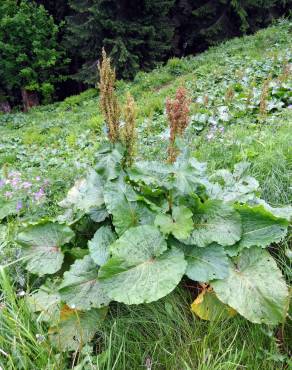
2,183
19,205
37,178
39,194
26,185
15,182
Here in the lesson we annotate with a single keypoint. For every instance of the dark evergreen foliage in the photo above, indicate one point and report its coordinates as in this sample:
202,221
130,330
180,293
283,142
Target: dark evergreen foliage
136,34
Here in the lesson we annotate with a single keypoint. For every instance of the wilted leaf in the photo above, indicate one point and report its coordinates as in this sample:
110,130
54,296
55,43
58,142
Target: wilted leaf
254,287
208,307
76,328
42,246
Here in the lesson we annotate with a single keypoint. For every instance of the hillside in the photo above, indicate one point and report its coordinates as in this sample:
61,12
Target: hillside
241,110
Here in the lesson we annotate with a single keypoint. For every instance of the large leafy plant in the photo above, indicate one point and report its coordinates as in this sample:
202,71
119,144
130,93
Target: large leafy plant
155,224
133,230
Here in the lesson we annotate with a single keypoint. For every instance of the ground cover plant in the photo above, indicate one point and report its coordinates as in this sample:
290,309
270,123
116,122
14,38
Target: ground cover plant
169,220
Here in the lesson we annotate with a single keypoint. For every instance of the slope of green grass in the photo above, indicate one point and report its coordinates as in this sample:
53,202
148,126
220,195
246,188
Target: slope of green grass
55,144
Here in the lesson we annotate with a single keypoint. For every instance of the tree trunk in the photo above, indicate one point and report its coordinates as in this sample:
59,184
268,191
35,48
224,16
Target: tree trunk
5,107
29,98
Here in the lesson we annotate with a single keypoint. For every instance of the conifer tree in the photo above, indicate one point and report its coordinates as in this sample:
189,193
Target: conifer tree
135,34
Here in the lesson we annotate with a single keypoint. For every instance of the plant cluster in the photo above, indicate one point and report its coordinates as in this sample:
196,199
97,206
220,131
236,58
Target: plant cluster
151,225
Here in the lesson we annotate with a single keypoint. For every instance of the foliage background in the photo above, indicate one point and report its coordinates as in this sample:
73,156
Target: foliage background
36,44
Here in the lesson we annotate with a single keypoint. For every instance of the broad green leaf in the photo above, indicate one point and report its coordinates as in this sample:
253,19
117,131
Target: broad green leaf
281,212
99,245
151,173
260,227
208,307
7,208
98,214
232,187
120,202
141,269
42,246
188,175
217,222
254,287
179,225
76,328
109,163
86,195
46,302
205,264
81,288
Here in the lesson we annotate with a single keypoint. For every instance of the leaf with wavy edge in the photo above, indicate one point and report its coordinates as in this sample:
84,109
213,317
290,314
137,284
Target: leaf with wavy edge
42,246
215,221
254,287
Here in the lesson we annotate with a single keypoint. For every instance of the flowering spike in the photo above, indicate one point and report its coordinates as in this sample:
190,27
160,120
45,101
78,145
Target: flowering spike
108,100
177,111
128,133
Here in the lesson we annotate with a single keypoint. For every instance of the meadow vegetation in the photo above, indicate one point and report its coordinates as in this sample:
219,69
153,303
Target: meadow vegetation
238,97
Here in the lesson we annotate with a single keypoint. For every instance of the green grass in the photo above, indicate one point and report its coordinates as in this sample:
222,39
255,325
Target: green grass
60,141
165,334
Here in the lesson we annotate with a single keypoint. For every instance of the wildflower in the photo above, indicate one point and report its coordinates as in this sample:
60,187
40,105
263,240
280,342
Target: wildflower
15,182
19,205
2,183
38,178
8,194
26,185
39,194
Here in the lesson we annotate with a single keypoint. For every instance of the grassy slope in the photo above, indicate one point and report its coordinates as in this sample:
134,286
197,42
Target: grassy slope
59,141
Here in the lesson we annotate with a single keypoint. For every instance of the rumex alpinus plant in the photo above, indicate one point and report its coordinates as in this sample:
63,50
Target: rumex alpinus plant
108,100
177,111
122,240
